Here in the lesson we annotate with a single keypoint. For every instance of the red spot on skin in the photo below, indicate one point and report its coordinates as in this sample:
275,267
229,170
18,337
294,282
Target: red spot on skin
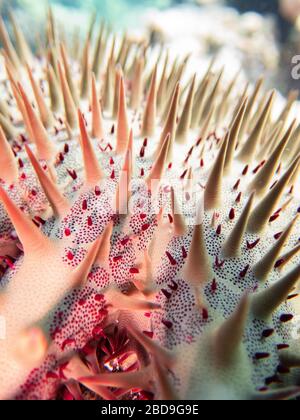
23,176
55,333
171,259
40,220
167,324
142,172
67,342
21,164
201,163
238,199
286,318
245,171
258,167
170,166
99,298
97,191
111,162
236,186
143,216
184,174
244,272
134,270
117,259
170,218
125,241
263,389
278,236
66,148
279,263
274,217
261,356
72,174
184,253
84,205
146,142
113,175
267,333
67,232
36,223
294,296
273,380
145,227
23,138
61,157
90,222
232,214
282,370
214,286
148,315
205,314
70,256
142,152
52,375
149,334
82,302
167,294
173,286
219,230
218,263
283,346
253,245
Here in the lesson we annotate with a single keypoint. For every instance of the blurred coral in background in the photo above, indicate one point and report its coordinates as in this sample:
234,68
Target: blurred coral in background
290,9
256,36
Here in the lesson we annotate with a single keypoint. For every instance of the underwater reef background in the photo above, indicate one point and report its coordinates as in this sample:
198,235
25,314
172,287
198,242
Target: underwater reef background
109,290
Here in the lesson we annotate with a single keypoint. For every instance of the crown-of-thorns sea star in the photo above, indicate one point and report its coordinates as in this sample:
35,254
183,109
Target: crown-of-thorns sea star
190,294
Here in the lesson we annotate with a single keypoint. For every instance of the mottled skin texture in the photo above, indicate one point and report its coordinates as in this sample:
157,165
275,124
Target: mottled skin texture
65,295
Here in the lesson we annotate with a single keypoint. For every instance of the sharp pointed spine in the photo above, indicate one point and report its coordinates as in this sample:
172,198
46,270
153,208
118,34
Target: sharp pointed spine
97,120
266,302
30,236
150,113
213,190
92,168
229,336
264,210
232,248
263,268
59,203
123,127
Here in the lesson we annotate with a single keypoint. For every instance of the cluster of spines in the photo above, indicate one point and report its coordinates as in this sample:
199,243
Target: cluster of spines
202,107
